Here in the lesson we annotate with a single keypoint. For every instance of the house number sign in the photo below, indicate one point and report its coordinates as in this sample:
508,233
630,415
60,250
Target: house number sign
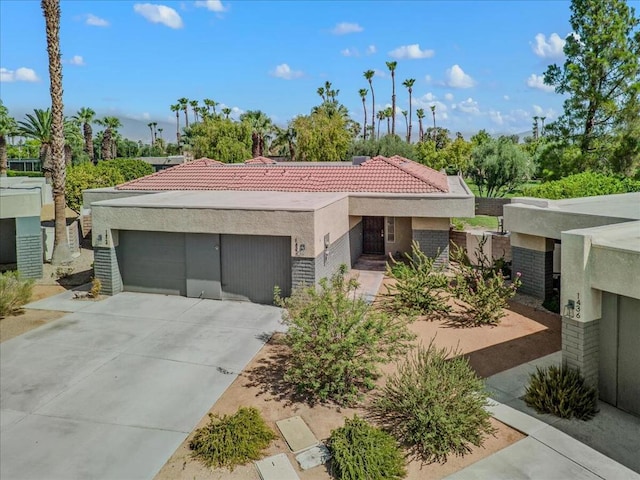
577,305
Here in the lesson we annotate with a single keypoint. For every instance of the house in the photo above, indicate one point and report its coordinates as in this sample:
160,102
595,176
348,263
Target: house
160,163
213,230
598,242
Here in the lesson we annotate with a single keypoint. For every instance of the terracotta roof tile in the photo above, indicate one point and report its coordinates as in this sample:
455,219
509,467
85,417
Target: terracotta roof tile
377,175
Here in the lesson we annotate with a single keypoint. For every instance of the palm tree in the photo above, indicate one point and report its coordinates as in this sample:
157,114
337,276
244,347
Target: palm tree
392,68
176,108
38,127
406,121
51,11
388,114
363,95
85,116
433,112
150,125
408,83
109,148
209,104
227,112
369,76
155,134
8,127
184,104
535,127
542,127
261,126
320,92
380,116
420,115
194,106
284,141
160,131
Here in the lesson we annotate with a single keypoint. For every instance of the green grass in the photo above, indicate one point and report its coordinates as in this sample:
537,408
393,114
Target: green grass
479,221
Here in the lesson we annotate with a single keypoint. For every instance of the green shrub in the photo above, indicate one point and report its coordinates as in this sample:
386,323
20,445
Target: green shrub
586,184
14,292
418,286
232,440
17,173
86,175
338,340
130,168
361,451
561,391
434,405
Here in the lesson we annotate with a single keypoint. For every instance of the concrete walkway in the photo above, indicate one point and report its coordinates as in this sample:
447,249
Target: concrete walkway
549,453
111,390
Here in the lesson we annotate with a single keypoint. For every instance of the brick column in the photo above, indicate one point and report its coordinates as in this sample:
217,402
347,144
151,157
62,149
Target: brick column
533,257
105,267
432,236
303,271
581,346
29,252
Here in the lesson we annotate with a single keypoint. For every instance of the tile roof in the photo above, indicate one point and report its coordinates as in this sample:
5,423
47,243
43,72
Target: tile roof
376,175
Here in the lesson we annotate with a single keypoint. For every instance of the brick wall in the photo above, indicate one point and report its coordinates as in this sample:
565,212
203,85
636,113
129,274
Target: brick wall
501,247
105,267
29,256
581,347
491,206
458,238
310,270
86,224
303,271
536,269
434,243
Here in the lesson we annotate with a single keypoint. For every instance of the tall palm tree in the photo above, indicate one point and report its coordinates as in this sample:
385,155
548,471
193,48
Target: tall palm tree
208,103
155,133
109,147
284,142
85,116
363,95
184,104
38,127
51,11
406,121
420,115
433,113
8,128
320,92
160,132
408,83
150,125
542,119
380,116
369,76
194,106
388,114
392,68
226,111
261,126
176,109
535,127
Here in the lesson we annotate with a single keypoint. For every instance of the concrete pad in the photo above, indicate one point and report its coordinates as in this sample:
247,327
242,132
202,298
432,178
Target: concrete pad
34,373
369,281
10,417
527,459
512,381
63,302
297,433
516,419
314,457
142,391
144,305
277,467
96,331
217,346
54,448
548,360
231,313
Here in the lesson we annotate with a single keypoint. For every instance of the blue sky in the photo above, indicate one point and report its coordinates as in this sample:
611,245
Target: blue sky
480,62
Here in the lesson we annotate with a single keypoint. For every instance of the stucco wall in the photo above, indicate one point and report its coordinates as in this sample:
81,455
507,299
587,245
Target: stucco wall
403,236
418,206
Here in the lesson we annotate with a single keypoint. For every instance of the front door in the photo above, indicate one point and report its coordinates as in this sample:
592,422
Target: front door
373,235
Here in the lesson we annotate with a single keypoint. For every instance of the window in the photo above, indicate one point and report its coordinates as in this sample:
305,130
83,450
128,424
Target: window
391,229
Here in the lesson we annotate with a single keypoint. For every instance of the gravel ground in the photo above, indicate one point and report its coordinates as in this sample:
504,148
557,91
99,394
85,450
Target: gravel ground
78,272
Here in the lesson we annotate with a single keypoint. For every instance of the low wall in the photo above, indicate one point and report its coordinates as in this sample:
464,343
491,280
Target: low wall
491,206
498,246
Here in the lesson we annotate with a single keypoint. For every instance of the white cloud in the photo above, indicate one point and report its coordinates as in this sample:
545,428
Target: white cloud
212,5
159,14
468,106
284,71
379,73
496,117
411,52
95,21
77,60
549,113
428,78
371,49
537,82
22,74
345,28
456,78
429,99
551,48
350,52
448,96
506,97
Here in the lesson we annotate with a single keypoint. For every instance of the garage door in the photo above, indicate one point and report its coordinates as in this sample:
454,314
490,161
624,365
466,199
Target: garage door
152,262
253,265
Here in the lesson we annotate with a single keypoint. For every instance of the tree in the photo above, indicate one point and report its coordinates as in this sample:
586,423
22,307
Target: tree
363,95
387,146
85,116
221,139
380,116
284,142
261,126
499,166
420,115
176,109
51,11
433,113
108,146
408,83
226,111
321,137
184,105
600,77
406,121
8,127
392,68
369,74
194,106
38,127
150,125
439,135
480,138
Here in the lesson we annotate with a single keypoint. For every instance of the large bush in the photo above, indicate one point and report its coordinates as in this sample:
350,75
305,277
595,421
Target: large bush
86,175
361,451
387,146
14,292
434,404
418,285
338,340
130,168
586,184
232,440
561,391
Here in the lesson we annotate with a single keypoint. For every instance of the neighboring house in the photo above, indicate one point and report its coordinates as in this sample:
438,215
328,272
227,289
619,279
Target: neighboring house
161,163
24,164
598,240
212,230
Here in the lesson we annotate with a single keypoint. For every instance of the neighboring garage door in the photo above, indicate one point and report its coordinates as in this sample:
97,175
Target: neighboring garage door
253,265
152,262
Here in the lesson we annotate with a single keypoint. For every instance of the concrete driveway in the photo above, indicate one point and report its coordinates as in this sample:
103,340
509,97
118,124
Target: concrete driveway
110,391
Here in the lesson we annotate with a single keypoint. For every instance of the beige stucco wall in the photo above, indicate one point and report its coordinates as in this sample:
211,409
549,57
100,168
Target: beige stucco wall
332,219
403,236
417,206
430,223
532,242
99,194
20,203
616,271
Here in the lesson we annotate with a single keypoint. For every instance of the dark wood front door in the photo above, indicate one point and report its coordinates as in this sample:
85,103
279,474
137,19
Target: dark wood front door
373,235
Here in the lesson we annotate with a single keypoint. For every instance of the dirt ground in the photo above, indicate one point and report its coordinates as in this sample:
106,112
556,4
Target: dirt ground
524,334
